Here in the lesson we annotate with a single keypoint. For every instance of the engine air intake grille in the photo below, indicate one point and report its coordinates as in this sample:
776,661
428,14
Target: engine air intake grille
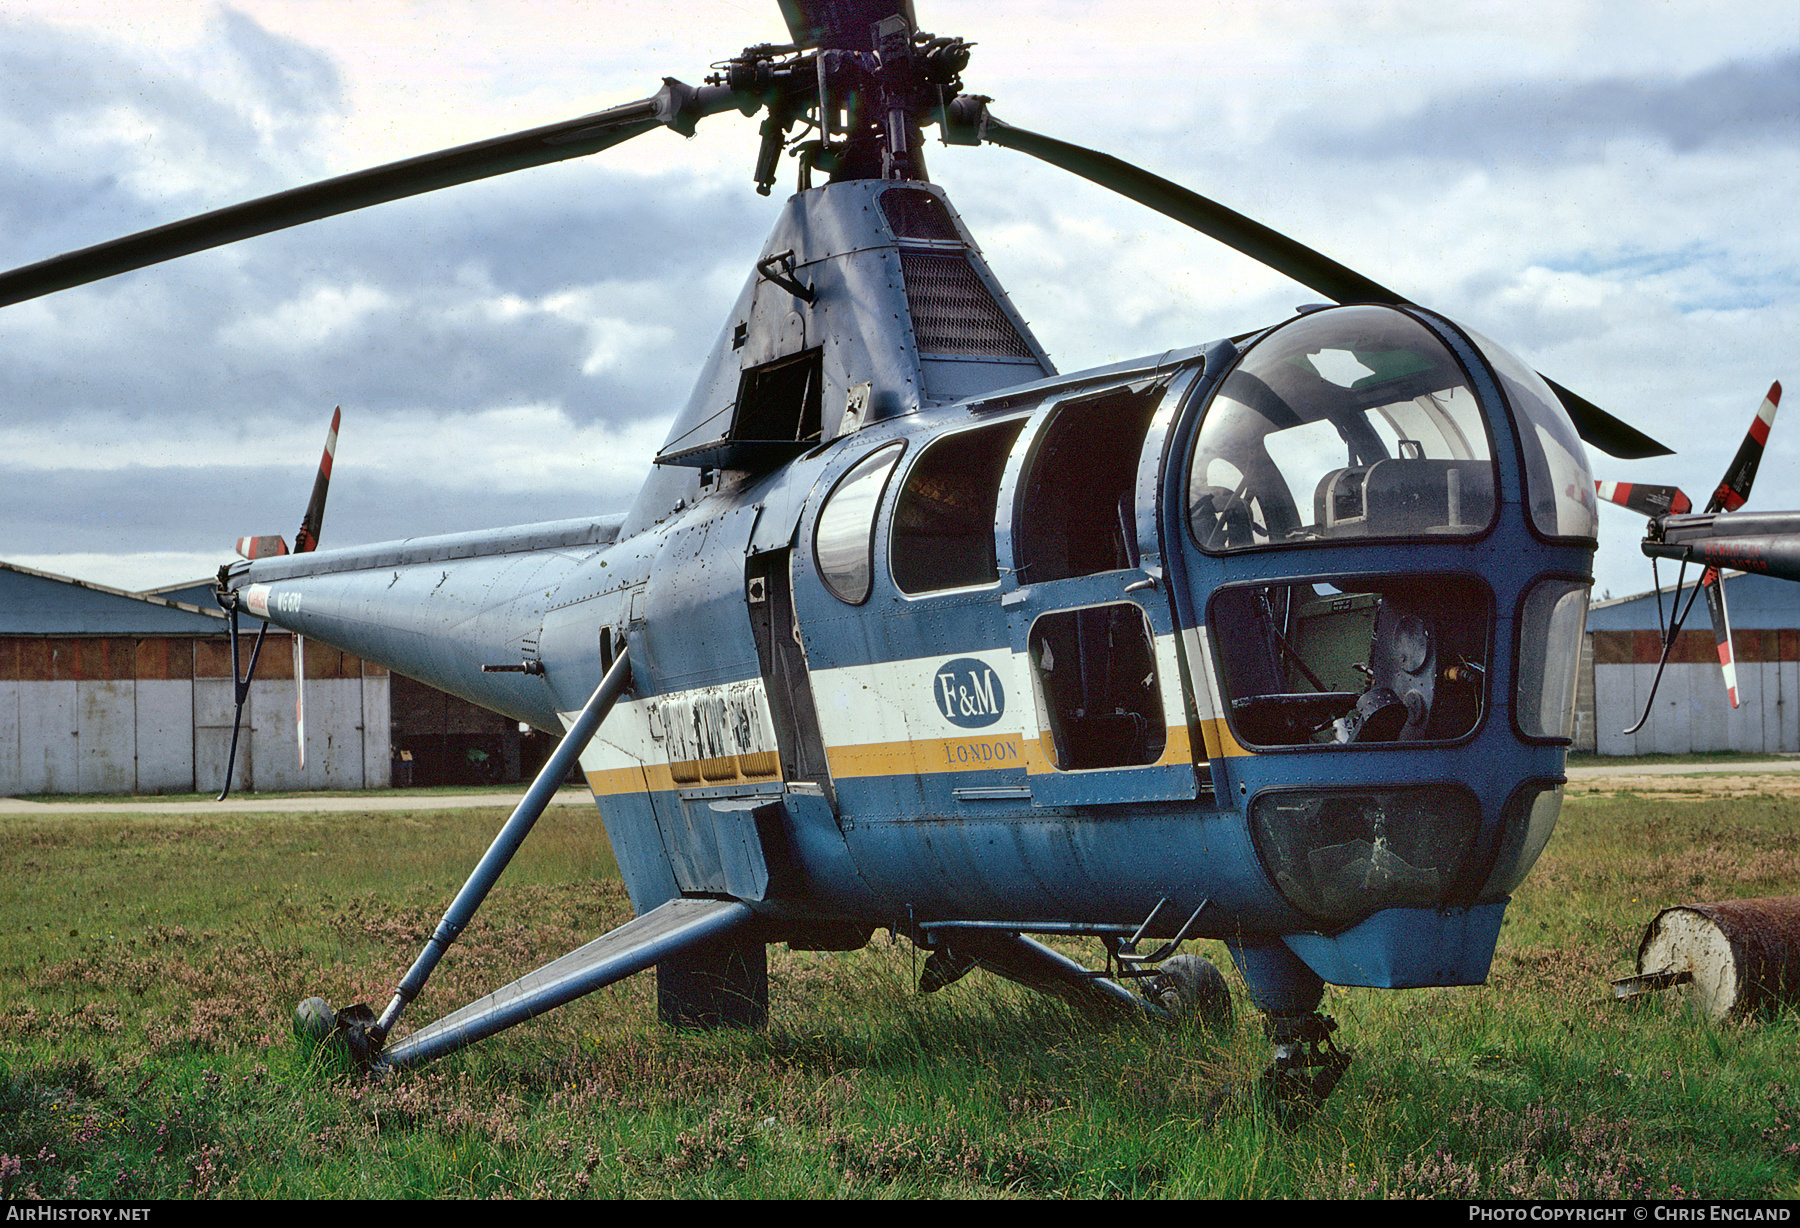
916,214
952,311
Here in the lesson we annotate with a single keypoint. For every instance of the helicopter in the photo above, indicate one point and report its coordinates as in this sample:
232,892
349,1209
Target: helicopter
1269,639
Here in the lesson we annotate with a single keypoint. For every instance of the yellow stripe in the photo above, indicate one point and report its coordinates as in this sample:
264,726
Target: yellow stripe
610,782
1040,752
1219,742
924,757
927,757
933,756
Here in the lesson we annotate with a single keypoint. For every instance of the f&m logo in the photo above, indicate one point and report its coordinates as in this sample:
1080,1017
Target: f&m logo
969,693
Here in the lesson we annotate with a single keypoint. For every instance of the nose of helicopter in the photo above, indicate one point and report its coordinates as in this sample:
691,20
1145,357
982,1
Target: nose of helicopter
1387,538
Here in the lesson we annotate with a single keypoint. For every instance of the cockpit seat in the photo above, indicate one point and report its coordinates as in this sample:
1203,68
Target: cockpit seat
1400,497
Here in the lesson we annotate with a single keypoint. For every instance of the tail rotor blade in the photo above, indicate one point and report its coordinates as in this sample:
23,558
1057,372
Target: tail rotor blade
1734,488
1714,587
308,536
300,695
1645,500
267,546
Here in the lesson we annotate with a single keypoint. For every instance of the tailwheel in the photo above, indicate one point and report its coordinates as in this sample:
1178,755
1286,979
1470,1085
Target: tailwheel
350,1031
1306,1068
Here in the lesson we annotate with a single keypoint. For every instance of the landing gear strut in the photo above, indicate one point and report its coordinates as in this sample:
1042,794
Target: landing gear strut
1306,1068
1307,1065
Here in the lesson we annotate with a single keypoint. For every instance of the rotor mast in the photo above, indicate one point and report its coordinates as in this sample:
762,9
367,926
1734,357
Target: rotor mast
858,76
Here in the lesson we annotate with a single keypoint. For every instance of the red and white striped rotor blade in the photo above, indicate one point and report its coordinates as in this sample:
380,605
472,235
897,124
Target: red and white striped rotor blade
264,547
300,695
1643,499
1734,488
308,536
1713,584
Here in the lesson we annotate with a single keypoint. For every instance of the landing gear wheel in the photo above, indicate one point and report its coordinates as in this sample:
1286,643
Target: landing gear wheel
356,1024
1189,985
1306,1068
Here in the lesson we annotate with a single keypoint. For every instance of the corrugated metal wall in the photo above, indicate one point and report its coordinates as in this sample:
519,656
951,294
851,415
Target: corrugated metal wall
1691,713
122,714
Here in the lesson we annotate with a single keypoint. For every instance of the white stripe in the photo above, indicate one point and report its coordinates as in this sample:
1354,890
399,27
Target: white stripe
701,723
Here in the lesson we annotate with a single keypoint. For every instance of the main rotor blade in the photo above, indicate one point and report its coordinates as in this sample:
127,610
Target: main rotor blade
1312,269
677,105
1613,436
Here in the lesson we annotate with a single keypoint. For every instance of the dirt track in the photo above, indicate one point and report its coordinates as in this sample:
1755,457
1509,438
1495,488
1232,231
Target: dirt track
1675,780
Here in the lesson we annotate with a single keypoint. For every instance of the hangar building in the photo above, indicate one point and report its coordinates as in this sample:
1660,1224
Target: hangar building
1691,713
106,691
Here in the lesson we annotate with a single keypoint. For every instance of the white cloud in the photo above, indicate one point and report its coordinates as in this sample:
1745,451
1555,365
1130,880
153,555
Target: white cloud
308,321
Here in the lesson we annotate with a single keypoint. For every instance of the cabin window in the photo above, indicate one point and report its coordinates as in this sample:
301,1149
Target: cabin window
1351,423
943,535
1078,515
844,541
1552,624
1095,671
1388,659
1340,854
1525,825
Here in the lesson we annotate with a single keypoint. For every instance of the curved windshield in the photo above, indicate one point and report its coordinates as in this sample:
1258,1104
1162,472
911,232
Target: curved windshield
1559,488
1349,422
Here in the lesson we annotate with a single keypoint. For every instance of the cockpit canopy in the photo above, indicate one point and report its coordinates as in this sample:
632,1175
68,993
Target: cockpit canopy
1348,423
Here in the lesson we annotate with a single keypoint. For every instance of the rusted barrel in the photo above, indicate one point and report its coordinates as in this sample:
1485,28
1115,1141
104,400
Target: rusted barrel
1739,955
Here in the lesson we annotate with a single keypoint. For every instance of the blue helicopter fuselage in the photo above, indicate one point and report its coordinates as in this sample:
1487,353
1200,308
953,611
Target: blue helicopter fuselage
1270,640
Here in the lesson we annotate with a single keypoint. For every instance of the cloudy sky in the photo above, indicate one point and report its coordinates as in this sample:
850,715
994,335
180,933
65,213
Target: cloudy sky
1606,188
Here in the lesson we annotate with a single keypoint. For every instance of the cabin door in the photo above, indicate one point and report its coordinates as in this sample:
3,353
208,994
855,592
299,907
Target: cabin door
1092,626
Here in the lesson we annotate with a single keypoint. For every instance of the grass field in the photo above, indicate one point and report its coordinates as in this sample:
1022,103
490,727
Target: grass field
149,968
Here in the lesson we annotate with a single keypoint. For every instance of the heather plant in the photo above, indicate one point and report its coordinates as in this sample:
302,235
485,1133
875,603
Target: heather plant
149,969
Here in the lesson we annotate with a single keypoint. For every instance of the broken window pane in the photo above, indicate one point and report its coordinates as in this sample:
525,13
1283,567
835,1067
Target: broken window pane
944,519
1342,854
